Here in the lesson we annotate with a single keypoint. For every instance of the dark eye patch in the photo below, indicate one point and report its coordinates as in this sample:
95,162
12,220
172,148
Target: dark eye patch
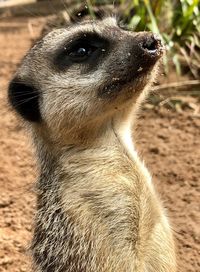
84,49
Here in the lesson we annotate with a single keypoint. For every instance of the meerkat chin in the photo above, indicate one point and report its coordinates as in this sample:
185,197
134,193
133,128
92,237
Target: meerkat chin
97,211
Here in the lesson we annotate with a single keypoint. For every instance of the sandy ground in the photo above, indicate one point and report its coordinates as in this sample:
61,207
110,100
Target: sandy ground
168,141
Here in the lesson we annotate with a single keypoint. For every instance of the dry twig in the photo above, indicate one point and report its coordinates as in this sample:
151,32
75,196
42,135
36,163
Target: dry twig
175,85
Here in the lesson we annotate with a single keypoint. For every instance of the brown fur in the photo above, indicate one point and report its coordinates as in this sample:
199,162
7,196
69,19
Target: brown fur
97,209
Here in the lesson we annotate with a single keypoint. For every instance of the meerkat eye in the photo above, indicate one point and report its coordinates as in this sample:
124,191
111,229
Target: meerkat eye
87,48
81,52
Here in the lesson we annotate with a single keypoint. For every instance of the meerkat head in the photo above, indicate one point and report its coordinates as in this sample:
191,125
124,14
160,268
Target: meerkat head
83,73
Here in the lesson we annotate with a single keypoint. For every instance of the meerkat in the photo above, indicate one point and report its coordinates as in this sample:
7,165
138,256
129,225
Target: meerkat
78,90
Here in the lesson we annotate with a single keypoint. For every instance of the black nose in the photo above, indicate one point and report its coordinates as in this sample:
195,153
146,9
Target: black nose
152,45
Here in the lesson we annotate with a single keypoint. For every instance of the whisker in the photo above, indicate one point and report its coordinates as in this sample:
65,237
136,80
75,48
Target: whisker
52,7
23,94
29,12
26,100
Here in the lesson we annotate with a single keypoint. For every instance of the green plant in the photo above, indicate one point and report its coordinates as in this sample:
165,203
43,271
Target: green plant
186,32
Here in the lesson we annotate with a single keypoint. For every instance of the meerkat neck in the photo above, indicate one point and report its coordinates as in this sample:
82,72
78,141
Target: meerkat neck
113,134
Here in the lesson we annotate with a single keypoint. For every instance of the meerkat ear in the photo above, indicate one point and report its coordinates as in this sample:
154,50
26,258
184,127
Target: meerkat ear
25,100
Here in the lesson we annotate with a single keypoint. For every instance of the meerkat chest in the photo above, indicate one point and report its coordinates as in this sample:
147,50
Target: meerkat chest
111,195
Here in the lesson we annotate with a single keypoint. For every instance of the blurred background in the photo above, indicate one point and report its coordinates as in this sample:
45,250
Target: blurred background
168,130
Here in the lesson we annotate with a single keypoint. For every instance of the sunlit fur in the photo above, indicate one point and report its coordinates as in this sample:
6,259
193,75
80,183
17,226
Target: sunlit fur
97,209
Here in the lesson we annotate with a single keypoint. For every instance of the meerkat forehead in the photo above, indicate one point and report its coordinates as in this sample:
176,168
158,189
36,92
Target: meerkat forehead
56,36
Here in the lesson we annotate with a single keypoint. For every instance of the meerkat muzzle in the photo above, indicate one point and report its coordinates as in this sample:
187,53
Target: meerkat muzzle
144,49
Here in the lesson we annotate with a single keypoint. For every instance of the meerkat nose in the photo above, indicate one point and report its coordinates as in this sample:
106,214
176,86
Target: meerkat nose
152,44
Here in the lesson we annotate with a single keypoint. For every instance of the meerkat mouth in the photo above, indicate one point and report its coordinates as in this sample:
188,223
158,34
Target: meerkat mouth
133,83
116,86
